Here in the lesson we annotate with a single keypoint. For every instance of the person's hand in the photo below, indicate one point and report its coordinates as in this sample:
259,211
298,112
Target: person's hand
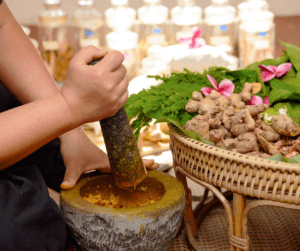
94,92
81,155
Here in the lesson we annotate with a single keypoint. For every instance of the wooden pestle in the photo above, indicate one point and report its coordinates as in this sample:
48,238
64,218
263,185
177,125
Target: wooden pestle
124,156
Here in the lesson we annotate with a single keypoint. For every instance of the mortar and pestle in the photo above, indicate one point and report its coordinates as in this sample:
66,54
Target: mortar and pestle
128,210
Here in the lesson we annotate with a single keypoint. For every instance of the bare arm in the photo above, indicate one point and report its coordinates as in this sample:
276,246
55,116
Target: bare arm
22,70
90,93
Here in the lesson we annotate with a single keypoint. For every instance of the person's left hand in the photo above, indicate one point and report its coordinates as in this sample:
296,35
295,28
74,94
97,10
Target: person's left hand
81,155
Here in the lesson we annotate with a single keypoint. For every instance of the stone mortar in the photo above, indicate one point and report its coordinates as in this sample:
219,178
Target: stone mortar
145,228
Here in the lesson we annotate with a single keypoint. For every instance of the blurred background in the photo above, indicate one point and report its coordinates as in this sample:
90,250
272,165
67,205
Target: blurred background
27,11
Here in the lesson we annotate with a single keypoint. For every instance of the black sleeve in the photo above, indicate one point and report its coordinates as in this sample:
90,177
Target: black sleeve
1,1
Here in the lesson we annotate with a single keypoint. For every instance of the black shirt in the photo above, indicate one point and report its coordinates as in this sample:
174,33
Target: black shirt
1,1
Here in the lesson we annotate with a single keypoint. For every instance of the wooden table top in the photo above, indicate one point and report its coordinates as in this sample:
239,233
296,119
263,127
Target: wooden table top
286,28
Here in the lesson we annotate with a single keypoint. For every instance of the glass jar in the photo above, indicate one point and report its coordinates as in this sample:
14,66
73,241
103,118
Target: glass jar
256,33
120,16
87,22
153,25
126,42
56,50
221,25
184,17
241,8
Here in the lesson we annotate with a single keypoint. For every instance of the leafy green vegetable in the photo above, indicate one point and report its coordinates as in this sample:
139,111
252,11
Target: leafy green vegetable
168,100
283,91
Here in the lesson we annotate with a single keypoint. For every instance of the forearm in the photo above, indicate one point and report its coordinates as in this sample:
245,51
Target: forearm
27,128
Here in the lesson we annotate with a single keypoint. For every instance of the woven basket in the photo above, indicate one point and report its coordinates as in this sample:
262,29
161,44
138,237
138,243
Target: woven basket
244,174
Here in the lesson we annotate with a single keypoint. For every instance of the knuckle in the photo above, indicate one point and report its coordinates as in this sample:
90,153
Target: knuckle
90,48
124,69
117,55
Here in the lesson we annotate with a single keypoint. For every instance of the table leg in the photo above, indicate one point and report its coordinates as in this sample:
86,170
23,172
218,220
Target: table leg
239,204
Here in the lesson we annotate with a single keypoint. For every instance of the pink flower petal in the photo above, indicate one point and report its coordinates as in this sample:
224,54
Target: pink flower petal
184,40
192,45
226,86
196,31
206,90
213,82
283,69
266,101
267,72
198,43
255,100
269,68
226,94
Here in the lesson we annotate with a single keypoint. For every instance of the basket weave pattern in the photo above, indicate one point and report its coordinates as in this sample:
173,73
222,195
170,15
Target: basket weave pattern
240,173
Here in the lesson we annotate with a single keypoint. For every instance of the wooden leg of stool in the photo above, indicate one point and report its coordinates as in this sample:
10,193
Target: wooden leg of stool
189,217
239,204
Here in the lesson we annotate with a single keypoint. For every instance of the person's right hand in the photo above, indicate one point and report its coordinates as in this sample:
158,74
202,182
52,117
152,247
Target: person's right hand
94,92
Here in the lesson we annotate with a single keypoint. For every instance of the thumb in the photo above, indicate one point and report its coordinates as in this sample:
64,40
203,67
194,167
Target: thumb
70,179
88,54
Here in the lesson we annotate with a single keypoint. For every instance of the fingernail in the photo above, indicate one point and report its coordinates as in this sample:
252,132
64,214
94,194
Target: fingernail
66,186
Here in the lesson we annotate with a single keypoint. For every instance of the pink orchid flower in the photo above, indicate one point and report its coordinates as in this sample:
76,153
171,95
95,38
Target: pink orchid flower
256,100
269,72
225,88
195,41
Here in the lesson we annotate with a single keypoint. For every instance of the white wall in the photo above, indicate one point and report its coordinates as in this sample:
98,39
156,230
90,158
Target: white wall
26,12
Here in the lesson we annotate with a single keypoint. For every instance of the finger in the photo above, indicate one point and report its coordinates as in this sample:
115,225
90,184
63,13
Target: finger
150,164
153,167
124,98
113,60
122,87
70,179
120,74
88,54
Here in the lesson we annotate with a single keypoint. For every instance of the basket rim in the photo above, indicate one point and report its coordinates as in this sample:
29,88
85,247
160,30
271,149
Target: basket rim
234,156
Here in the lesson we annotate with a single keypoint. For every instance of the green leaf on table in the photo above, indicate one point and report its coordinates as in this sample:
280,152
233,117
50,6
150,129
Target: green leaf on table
283,91
293,82
294,54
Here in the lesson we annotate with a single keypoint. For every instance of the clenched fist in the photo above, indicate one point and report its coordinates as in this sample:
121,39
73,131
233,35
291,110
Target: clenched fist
95,92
